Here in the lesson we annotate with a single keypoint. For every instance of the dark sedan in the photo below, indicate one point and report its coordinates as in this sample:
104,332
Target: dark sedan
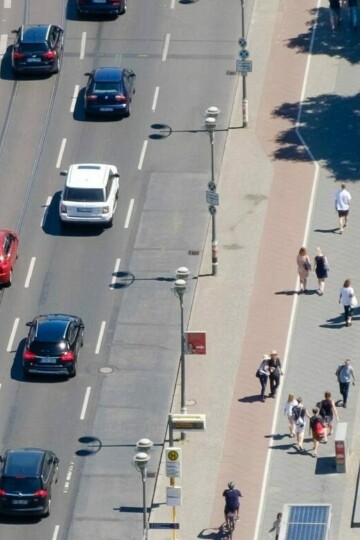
109,91
101,7
38,48
53,345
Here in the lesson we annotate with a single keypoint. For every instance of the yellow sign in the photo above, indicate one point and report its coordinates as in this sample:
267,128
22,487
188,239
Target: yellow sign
173,455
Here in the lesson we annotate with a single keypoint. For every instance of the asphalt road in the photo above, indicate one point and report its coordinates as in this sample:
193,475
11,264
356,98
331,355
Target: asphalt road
117,280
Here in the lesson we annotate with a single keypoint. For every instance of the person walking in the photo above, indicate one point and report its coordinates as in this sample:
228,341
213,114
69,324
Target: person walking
344,375
275,373
263,374
342,204
349,301
288,411
335,17
321,267
353,13
304,267
299,416
232,501
276,525
317,429
327,411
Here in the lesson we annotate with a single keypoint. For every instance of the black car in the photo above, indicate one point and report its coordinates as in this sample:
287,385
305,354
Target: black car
53,345
38,48
109,91
101,7
26,479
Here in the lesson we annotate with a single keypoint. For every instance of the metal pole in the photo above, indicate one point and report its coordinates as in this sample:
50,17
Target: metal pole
143,476
214,244
245,103
182,358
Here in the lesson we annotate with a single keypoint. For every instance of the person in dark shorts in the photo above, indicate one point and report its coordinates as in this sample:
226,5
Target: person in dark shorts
321,267
335,16
342,199
232,501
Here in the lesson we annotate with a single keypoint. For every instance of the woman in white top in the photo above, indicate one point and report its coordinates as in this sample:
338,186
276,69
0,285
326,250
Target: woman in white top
348,299
288,411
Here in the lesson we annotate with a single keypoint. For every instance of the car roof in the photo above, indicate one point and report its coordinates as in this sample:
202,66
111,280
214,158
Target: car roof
52,328
34,33
88,175
108,74
23,461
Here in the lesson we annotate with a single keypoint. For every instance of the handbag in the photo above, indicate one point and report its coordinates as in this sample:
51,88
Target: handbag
353,301
257,374
307,265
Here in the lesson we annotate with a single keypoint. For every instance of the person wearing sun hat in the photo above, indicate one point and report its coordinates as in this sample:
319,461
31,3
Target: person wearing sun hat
275,372
263,374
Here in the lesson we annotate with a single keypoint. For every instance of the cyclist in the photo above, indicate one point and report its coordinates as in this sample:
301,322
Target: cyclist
232,501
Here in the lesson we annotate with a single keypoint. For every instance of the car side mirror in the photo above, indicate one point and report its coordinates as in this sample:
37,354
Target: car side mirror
63,173
29,324
116,175
14,31
81,326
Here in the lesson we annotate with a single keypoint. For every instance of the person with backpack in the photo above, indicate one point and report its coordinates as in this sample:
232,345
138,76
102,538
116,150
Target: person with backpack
232,501
317,429
299,417
344,375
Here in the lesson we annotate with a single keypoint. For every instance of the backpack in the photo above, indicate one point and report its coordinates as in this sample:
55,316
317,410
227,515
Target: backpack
338,371
319,428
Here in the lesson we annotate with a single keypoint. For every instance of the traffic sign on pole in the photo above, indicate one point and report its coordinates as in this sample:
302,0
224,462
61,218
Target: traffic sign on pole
245,66
212,197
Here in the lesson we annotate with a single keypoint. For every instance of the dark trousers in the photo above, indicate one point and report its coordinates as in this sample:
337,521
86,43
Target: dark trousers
263,381
348,312
344,390
274,384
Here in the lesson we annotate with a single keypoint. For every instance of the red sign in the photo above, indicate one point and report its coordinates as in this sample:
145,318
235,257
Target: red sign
195,342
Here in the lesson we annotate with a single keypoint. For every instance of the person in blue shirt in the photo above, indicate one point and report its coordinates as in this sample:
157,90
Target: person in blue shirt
232,501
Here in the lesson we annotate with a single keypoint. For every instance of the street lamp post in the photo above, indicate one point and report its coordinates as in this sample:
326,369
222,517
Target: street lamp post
210,125
141,460
182,274
245,103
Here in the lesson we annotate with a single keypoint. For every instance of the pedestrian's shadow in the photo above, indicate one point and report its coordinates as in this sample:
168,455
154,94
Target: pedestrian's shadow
287,292
250,399
336,323
333,231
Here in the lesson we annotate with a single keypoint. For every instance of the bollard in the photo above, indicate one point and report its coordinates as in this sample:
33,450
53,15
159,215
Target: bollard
341,447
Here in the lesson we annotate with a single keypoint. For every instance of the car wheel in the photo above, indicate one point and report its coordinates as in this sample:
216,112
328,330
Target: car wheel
47,514
82,340
128,112
109,224
73,371
57,66
10,278
124,8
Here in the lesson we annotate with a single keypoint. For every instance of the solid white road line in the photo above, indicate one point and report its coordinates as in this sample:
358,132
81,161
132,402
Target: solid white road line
142,155
68,477
74,98
12,335
7,4
46,209
30,271
82,46
61,152
128,215
56,532
3,44
156,95
296,297
116,269
101,335
166,47
85,404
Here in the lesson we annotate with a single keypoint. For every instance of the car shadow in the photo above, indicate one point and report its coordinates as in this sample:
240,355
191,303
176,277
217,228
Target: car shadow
53,226
19,520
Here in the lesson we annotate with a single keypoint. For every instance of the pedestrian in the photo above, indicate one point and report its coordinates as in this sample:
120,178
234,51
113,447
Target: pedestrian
317,429
276,525
353,13
275,373
342,205
334,13
288,411
321,267
304,267
349,301
232,501
263,374
344,374
299,416
327,411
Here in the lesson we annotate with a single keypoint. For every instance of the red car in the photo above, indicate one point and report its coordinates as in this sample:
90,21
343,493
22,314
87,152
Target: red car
9,242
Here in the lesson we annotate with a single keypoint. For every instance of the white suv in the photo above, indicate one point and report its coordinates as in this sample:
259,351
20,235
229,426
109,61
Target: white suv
90,194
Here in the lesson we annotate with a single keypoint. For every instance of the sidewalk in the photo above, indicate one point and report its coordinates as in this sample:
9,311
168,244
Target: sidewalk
262,221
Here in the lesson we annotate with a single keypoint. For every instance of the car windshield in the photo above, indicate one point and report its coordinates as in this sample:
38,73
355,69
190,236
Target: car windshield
34,47
107,88
20,484
84,195
44,348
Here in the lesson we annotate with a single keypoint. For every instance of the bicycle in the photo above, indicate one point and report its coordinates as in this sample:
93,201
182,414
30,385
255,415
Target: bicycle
231,520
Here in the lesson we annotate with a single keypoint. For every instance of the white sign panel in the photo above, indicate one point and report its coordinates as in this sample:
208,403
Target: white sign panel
173,496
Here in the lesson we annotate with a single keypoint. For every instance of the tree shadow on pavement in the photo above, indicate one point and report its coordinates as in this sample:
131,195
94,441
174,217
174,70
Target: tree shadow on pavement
343,43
